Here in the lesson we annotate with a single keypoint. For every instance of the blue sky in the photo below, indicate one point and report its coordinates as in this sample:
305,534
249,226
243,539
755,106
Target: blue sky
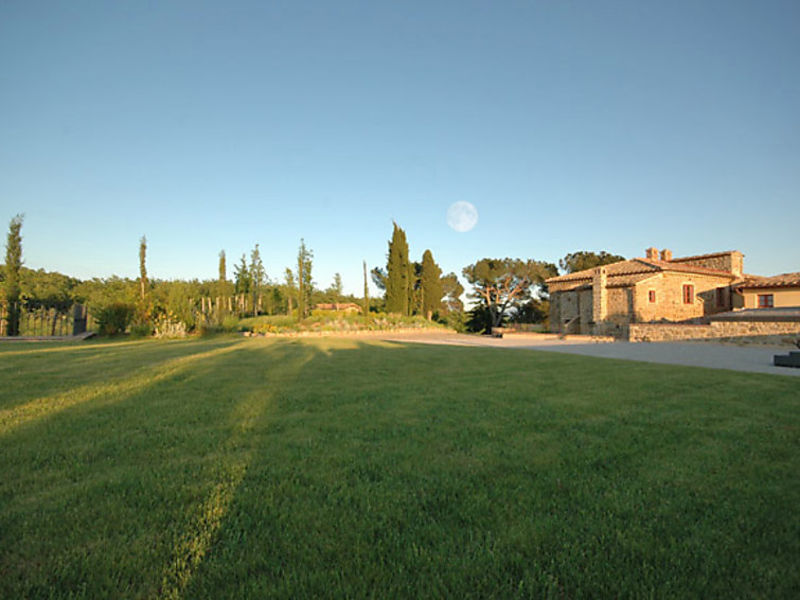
570,125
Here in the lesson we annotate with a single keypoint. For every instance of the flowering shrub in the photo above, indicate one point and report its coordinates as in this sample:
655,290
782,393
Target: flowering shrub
166,328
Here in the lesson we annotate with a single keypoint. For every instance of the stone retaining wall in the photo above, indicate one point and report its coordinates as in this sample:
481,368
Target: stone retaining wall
730,330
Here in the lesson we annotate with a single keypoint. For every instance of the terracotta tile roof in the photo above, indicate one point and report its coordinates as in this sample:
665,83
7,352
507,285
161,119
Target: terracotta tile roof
626,267
637,266
783,280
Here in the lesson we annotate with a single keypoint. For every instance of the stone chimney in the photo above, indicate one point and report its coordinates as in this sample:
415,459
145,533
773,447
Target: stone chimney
666,255
737,263
651,253
599,295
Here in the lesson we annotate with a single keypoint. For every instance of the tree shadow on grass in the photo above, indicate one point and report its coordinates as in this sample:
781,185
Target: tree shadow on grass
373,478
45,371
119,496
113,390
346,468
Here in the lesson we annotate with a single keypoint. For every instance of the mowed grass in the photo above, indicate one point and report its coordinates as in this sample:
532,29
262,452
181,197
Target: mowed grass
235,468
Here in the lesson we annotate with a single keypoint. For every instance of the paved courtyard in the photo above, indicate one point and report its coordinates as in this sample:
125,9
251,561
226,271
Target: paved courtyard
755,359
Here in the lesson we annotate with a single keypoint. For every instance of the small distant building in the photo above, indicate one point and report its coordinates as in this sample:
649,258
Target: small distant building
348,307
780,291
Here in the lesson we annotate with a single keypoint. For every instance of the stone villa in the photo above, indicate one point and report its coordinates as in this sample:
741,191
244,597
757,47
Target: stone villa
612,299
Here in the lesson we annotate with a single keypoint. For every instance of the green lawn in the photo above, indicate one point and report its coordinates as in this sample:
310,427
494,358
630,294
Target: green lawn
235,468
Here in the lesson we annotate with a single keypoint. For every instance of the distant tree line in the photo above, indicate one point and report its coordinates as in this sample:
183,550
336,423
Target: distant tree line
502,290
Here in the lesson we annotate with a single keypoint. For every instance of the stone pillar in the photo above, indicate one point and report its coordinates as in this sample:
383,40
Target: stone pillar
599,295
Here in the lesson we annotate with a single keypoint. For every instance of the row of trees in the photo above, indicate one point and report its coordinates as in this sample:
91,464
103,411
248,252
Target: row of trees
502,289
416,288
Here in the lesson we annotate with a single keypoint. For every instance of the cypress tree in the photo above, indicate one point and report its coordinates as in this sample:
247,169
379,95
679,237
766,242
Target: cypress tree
305,284
13,266
413,288
397,278
366,291
301,305
142,268
144,309
222,267
258,277
431,284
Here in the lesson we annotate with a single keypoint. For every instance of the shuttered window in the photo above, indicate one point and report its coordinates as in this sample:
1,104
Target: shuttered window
766,301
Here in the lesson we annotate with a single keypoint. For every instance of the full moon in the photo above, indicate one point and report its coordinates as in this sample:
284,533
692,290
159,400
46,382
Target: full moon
462,216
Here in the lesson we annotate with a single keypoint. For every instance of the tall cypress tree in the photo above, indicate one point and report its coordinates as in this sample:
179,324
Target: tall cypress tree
366,291
431,284
142,268
222,282
305,284
397,278
13,266
258,276
144,308
222,267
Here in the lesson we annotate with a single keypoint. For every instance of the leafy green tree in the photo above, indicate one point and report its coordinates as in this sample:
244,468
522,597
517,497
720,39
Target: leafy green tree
535,310
242,275
452,291
43,289
258,276
430,285
12,275
397,273
503,284
582,260
335,291
290,287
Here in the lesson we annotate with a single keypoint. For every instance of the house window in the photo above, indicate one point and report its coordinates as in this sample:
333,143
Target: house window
766,301
651,295
688,293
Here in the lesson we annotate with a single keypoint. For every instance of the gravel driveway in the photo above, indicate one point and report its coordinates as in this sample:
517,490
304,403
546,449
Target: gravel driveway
755,359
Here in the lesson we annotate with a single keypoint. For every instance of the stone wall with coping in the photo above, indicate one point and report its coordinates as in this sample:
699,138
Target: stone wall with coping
720,330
